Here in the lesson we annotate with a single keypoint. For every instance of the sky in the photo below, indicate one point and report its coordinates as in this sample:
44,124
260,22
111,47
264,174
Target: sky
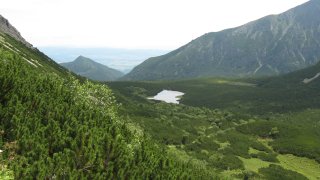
132,24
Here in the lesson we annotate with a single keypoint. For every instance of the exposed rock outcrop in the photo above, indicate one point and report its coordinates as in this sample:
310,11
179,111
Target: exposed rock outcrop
7,28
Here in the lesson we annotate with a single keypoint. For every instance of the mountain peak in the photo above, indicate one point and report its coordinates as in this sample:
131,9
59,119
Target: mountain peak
89,68
83,59
7,28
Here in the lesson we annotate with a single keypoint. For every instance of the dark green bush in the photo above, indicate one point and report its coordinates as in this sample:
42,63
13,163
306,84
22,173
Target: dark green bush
228,162
270,157
279,173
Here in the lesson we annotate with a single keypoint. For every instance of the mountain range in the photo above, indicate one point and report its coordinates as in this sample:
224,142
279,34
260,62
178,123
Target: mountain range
272,45
88,68
56,125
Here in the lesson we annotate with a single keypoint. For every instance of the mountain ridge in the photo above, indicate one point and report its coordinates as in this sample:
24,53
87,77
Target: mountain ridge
7,28
272,45
86,67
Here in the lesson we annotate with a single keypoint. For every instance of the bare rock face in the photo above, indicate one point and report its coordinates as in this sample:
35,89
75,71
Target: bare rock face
7,28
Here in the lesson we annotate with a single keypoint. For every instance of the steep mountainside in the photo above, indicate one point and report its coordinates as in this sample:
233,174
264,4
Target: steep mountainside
53,126
7,28
88,68
271,45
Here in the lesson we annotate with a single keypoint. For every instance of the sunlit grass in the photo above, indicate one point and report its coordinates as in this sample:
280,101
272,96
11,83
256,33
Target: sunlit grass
254,164
308,167
253,151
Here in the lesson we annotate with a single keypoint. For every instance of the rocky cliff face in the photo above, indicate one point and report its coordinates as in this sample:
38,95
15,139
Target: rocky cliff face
275,44
7,28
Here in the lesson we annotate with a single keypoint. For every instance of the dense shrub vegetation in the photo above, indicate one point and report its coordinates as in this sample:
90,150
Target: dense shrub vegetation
57,127
296,133
254,126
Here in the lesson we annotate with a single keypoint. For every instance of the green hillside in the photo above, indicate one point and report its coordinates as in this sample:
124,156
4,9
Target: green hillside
88,68
54,126
272,45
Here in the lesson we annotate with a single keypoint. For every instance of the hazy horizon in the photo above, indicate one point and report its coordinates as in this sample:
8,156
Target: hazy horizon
117,58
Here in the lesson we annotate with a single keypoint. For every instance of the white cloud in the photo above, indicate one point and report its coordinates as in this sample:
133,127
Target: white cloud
131,24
